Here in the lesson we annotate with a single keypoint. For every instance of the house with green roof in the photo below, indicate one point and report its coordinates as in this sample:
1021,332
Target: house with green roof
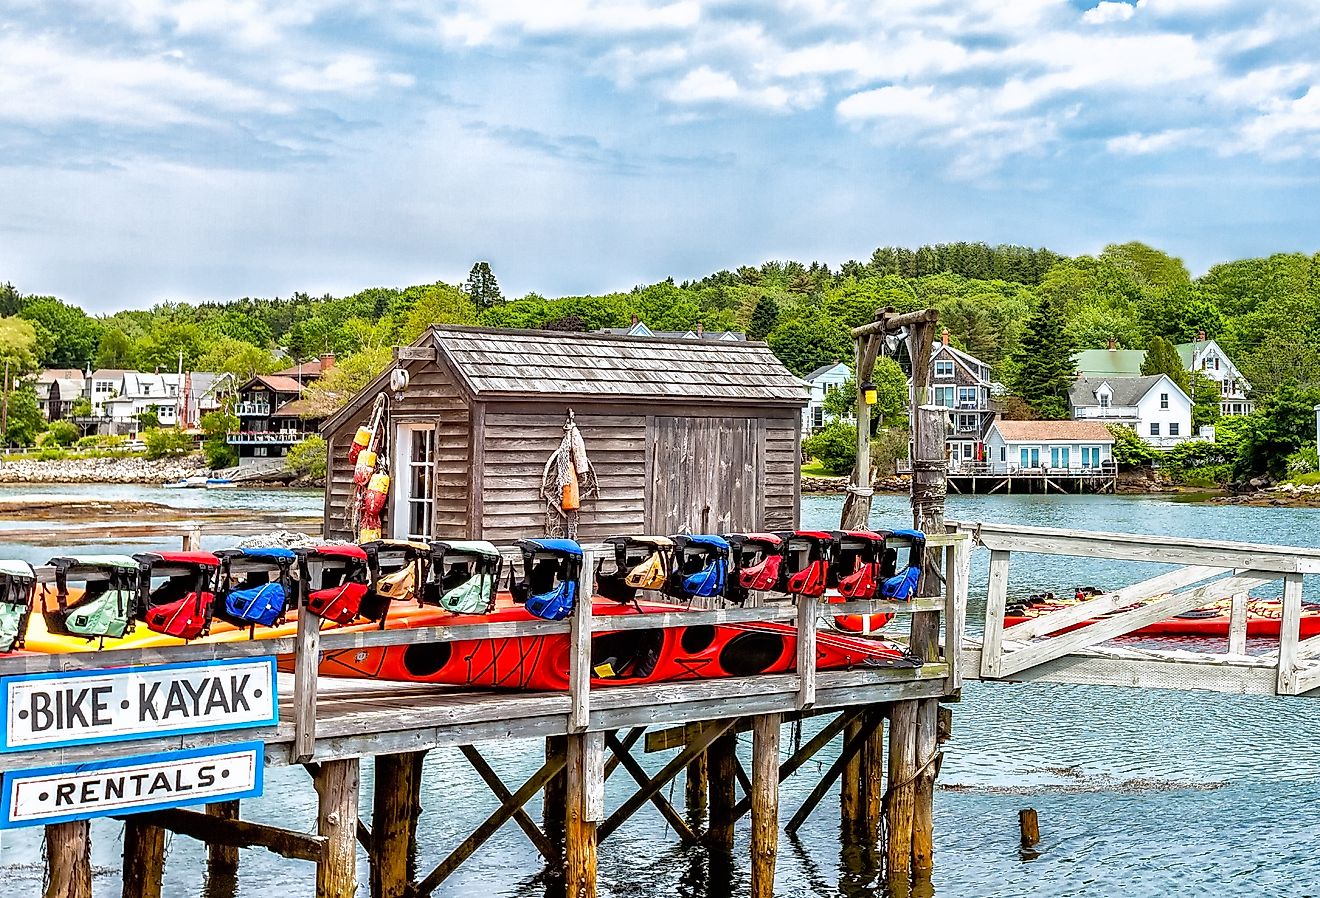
1202,355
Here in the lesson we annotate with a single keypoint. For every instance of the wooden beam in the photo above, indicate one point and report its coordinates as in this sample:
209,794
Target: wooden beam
393,824
68,860
547,849
808,611
489,826
638,773
996,599
923,810
586,806
765,803
653,786
579,659
415,353
1290,634
144,858
306,661
902,794
852,745
336,820
236,834
892,322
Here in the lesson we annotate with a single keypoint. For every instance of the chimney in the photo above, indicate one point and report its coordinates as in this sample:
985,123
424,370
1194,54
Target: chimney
944,337
327,361
700,330
634,320
1113,344
1200,336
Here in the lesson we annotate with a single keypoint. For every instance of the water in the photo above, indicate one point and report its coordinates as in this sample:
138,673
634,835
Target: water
1141,793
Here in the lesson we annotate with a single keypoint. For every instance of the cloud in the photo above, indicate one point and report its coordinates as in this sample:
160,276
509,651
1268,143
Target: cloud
1109,11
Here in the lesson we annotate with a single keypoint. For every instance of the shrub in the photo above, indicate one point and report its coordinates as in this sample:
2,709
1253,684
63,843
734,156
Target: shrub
1130,450
51,455
163,442
835,447
62,433
308,458
889,446
1304,461
219,454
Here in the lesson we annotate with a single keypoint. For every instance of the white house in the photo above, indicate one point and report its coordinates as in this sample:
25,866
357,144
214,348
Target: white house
1154,406
1205,356
105,383
139,392
822,382
1058,446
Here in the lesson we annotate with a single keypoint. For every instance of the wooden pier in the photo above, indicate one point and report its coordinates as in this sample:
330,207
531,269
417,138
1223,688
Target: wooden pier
332,726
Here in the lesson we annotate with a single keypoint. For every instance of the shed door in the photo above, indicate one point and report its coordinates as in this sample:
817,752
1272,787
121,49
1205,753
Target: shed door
706,474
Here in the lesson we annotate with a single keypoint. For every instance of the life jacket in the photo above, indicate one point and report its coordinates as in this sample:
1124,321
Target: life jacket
181,606
701,566
855,569
108,602
640,562
901,585
256,600
464,576
398,570
336,592
754,562
549,585
18,584
805,569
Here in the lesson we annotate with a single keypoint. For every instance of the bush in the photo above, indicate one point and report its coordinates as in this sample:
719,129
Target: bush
163,442
95,441
62,433
835,447
1304,461
219,454
51,455
1130,450
889,446
308,458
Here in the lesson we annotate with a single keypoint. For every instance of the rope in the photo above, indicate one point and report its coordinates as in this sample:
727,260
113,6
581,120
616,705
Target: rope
937,759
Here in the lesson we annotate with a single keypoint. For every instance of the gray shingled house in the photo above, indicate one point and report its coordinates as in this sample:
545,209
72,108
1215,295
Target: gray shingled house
681,433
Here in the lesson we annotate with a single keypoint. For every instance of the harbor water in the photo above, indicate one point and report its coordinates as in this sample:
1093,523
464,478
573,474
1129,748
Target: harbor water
1140,793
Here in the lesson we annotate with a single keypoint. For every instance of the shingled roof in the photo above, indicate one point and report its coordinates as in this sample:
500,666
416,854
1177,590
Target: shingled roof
507,363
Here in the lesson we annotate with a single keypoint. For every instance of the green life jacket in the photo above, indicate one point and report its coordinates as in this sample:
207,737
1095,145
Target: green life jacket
107,607
465,574
17,585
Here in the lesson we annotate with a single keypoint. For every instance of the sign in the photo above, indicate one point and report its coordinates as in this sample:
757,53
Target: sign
51,710
131,785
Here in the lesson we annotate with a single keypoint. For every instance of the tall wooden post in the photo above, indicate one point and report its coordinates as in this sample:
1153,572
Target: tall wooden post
393,825
696,784
898,816
723,780
765,803
222,860
144,859
554,805
336,819
69,860
873,788
850,784
418,759
586,808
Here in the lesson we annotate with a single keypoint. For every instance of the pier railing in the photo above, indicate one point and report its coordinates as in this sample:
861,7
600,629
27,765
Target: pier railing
416,722
1071,644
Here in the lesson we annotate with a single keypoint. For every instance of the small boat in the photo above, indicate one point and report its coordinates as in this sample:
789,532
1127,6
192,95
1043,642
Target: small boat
1213,620
220,483
195,482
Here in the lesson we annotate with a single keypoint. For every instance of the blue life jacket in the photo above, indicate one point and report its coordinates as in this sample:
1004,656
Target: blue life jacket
548,587
262,604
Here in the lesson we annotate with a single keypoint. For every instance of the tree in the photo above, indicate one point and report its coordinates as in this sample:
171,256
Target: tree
82,407
308,459
73,336
1130,450
482,287
18,346
148,420
1205,393
215,427
115,349
764,317
62,433
835,447
163,442
1162,358
24,421
438,303
243,360
1280,425
1044,362
334,389
803,344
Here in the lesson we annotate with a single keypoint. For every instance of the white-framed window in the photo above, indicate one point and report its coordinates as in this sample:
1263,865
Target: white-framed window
414,470
1173,429
967,450
1104,400
967,395
967,422
1003,453
944,396
943,368
818,416
1164,400
1154,428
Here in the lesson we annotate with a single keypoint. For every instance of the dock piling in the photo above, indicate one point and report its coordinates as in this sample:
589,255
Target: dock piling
221,860
586,806
899,813
765,803
850,784
723,784
393,824
336,820
144,859
68,860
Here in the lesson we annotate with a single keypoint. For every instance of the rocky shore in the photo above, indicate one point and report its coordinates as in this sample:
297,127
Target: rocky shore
895,484
1284,494
102,470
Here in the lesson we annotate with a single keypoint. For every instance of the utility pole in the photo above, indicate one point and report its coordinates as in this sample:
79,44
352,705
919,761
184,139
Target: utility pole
4,412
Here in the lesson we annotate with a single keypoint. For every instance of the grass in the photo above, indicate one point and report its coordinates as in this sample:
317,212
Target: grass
1305,479
814,468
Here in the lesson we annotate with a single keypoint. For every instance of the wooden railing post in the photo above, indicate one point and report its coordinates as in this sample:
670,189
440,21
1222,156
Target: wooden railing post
996,598
579,659
1289,634
1237,624
306,660
807,612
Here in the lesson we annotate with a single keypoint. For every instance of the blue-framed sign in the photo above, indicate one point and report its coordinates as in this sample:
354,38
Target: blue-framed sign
131,784
79,707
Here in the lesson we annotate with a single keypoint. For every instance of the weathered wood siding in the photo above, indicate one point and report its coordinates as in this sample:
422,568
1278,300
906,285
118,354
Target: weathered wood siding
783,436
515,447
432,398
706,474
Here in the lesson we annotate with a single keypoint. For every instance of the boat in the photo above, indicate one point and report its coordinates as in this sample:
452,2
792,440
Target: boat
195,482
1213,620
220,483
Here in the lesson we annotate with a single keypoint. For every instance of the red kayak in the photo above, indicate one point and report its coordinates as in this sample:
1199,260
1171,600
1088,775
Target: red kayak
1263,617
623,658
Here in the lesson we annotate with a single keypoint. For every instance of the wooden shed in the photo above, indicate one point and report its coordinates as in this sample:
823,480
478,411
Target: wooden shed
682,433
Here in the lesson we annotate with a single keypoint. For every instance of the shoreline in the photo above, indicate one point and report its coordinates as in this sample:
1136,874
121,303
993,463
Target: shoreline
139,470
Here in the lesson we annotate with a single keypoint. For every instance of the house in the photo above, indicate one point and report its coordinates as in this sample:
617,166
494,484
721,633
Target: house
1201,355
140,393
310,370
821,383
638,329
1076,447
57,390
270,413
205,392
103,384
1154,406
961,383
681,434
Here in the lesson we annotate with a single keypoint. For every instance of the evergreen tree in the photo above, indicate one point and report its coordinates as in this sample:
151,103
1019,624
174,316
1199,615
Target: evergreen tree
764,318
1162,358
482,287
1044,362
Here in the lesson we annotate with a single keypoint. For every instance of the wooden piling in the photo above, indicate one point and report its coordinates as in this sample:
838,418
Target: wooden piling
222,860
723,784
765,803
336,820
696,785
586,799
68,860
873,788
1029,827
393,825
850,784
898,817
144,859
926,744
554,804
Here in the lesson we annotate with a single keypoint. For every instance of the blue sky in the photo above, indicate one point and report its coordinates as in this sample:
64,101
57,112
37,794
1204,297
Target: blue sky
194,150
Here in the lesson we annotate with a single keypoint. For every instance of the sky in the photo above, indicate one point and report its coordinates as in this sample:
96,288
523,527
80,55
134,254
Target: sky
153,150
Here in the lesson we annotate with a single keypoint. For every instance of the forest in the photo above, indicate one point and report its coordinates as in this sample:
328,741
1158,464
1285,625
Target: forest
1022,310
